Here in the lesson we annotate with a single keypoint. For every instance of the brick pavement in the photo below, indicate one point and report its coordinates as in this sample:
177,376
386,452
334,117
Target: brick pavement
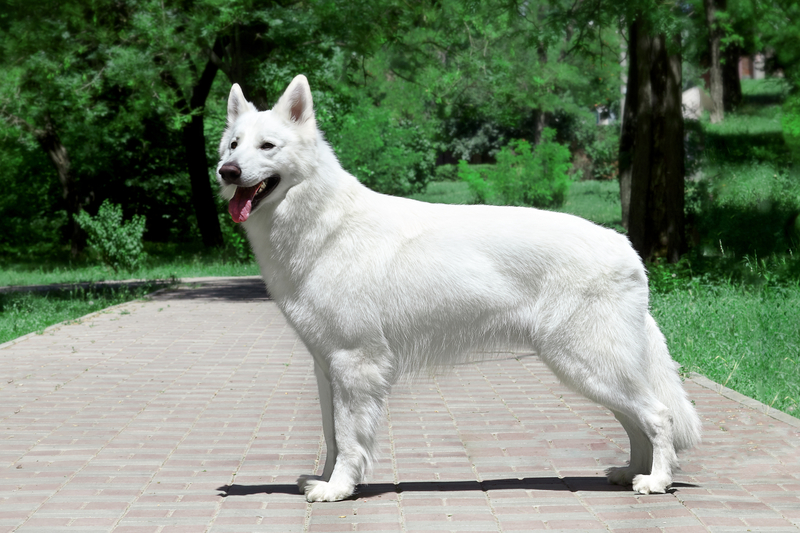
196,410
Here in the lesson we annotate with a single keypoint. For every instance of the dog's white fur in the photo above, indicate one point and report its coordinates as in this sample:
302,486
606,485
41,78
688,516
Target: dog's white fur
378,286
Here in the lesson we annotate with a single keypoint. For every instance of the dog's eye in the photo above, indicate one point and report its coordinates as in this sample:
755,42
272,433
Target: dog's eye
234,144
267,146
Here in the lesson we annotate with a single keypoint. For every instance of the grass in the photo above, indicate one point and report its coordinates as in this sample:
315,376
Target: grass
164,262
445,192
597,201
744,338
26,312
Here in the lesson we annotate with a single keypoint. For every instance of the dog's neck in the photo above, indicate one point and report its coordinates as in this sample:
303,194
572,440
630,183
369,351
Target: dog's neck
287,236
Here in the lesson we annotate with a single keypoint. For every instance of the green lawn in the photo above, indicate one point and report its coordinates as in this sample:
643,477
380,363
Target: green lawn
26,312
746,339
597,201
164,262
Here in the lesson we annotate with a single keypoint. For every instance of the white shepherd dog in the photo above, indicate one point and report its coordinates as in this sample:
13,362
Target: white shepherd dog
378,286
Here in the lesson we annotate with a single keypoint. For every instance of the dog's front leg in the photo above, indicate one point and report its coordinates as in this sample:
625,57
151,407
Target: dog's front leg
356,386
326,405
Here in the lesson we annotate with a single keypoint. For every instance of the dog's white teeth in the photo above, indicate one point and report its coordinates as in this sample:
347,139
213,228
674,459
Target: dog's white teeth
261,187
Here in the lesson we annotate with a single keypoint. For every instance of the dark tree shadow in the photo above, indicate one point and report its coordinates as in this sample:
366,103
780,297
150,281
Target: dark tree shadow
569,484
239,289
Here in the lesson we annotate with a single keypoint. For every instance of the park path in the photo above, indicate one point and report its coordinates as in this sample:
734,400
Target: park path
195,410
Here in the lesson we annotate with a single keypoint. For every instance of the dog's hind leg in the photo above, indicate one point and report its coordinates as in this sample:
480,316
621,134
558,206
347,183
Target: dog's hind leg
641,454
358,386
648,423
607,369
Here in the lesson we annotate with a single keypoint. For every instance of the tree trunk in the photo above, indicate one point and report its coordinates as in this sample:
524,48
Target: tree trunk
715,69
627,134
731,84
194,143
241,52
194,148
541,116
57,152
651,148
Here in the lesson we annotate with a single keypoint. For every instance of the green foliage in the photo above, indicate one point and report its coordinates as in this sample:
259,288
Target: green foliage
477,181
522,175
599,143
595,200
236,244
603,152
791,122
389,155
118,244
446,172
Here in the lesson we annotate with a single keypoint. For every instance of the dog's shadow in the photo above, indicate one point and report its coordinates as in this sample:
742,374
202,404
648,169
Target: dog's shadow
569,484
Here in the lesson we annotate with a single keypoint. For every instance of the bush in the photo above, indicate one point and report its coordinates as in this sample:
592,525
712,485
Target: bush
522,175
236,244
118,244
386,154
603,152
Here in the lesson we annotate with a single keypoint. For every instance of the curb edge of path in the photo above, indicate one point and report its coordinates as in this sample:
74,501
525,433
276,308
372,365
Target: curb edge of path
744,400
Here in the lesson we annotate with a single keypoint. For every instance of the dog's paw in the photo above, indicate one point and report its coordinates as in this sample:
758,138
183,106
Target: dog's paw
621,475
317,490
651,484
304,481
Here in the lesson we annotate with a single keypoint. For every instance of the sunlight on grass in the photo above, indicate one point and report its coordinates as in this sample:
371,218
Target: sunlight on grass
170,264
745,339
26,312
593,200
445,192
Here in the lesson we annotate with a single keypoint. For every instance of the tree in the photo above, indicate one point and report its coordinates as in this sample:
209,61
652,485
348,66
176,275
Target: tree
651,159
84,69
50,142
51,74
711,8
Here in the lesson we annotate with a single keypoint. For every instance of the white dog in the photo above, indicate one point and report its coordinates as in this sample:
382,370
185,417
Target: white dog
378,286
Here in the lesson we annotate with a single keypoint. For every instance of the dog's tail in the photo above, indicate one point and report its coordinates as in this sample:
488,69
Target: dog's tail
665,380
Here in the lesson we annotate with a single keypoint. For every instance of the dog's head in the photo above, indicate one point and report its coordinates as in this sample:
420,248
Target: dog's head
264,154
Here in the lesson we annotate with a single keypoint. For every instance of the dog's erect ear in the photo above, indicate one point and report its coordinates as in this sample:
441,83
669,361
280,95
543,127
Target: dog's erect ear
296,104
237,104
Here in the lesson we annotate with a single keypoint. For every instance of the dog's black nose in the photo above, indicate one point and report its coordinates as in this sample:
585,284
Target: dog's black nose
230,172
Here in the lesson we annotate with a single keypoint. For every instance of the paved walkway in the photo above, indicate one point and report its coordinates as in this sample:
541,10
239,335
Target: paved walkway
196,410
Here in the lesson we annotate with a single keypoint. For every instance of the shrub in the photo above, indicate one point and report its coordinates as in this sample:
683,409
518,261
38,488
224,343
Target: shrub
522,175
603,152
118,244
386,154
791,123
236,244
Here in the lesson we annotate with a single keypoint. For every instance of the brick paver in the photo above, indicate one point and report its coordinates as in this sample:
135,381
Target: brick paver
196,410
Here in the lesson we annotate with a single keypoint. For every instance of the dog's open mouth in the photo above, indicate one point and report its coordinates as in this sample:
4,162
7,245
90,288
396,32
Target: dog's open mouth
247,198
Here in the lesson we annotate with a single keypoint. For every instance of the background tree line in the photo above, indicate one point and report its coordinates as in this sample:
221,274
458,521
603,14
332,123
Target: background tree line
124,100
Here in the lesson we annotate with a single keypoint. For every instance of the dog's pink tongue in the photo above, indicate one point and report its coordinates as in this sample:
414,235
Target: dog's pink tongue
241,203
